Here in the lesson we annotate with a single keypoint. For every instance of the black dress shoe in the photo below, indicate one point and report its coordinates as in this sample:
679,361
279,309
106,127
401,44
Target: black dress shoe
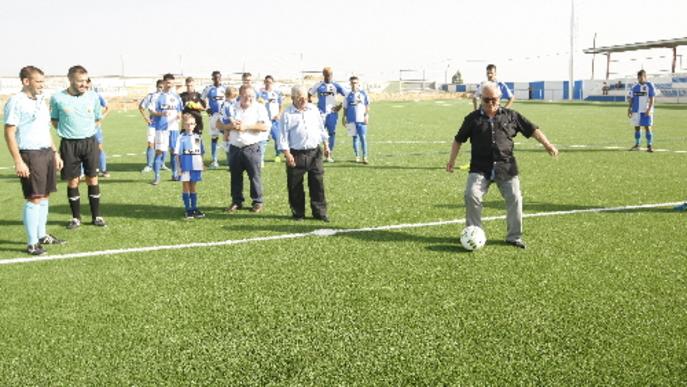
234,207
518,243
323,218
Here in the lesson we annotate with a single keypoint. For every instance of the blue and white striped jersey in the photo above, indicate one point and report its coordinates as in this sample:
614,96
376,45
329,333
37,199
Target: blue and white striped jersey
355,104
215,96
640,94
326,95
170,104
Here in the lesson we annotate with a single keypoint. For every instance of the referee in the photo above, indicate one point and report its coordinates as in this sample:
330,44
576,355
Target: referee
27,132
76,112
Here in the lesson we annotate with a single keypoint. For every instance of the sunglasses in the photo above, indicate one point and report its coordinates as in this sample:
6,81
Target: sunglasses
490,100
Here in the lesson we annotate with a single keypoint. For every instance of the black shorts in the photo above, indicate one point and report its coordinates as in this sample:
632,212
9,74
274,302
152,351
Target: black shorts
41,180
76,152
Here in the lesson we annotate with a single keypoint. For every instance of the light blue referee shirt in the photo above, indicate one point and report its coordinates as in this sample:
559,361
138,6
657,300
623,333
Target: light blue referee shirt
32,119
75,115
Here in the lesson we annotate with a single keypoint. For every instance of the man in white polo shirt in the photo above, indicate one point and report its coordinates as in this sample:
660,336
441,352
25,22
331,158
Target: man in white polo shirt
247,126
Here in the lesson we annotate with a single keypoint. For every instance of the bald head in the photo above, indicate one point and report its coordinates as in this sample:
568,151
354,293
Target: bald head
299,95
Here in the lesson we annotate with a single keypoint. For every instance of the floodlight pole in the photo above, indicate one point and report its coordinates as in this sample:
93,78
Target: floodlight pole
593,54
571,81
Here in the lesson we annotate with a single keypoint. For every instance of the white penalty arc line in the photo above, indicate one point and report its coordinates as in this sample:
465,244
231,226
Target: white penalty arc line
320,232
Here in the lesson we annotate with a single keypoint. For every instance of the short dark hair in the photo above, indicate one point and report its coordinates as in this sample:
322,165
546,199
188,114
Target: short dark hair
158,83
168,76
27,71
641,72
353,78
246,75
269,77
216,72
78,69
189,79
491,67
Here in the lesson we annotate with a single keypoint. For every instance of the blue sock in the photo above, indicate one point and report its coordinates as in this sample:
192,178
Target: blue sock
332,137
32,217
158,164
638,136
102,163
187,200
172,164
43,220
150,156
649,137
194,201
213,149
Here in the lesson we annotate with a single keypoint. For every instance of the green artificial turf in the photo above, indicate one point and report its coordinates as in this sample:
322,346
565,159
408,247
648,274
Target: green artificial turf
596,298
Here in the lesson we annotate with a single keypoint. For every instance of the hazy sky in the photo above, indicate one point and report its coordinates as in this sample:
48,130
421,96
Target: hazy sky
527,39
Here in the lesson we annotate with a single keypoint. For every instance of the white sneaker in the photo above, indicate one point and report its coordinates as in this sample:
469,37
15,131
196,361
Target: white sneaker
364,160
357,159
214,165
164,167
146,169
330,159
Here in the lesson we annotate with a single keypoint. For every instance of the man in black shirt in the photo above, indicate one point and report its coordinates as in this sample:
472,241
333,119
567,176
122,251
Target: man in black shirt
490,130
193,102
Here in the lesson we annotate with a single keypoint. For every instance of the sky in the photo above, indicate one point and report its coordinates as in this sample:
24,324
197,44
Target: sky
528,40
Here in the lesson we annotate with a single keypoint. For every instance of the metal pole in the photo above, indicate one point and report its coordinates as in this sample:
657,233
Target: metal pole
674,59
571,80
593,54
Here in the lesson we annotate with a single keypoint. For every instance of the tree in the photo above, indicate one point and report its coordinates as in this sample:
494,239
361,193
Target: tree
457,78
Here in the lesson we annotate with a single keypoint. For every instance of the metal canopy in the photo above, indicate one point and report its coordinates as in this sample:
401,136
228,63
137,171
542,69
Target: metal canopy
666,43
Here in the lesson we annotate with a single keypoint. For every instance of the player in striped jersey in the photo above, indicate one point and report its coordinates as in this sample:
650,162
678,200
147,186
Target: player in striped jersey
214,96
144,107
272,99
165,112
326,92
641,110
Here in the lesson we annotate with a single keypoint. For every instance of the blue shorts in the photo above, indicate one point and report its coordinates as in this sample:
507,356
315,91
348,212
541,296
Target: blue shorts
192,176
642,119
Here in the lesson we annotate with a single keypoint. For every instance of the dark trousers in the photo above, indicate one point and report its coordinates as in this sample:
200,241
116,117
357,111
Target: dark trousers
245,159
309,161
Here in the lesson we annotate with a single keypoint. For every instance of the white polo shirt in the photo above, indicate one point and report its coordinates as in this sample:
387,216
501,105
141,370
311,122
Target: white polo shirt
252,115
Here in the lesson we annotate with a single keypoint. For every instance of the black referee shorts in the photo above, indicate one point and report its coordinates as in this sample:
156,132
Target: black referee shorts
76,152
42,168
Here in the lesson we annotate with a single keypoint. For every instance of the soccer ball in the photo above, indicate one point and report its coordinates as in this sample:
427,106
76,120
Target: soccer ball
472,238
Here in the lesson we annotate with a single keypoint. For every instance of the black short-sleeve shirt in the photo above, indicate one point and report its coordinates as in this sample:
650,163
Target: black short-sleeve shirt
492,141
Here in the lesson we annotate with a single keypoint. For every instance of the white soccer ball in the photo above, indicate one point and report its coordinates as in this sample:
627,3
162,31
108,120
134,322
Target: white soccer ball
473,238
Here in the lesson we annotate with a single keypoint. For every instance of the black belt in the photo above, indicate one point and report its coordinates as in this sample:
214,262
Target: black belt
78,139
247,146
300,151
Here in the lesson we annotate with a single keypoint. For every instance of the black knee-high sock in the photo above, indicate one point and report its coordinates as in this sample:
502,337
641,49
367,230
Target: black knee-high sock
74,202
94,200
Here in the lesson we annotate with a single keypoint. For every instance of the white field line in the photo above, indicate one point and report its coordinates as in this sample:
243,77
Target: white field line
320,232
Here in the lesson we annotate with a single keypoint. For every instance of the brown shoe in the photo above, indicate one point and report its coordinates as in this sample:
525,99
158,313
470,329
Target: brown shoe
257,207
234,207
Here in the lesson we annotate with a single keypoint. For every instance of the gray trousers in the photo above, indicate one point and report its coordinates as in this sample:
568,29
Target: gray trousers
475,189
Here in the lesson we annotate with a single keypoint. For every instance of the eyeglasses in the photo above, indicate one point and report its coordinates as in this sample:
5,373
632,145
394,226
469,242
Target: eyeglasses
490,100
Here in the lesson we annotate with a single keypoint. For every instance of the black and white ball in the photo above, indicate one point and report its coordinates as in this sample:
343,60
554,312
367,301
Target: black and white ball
473,238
